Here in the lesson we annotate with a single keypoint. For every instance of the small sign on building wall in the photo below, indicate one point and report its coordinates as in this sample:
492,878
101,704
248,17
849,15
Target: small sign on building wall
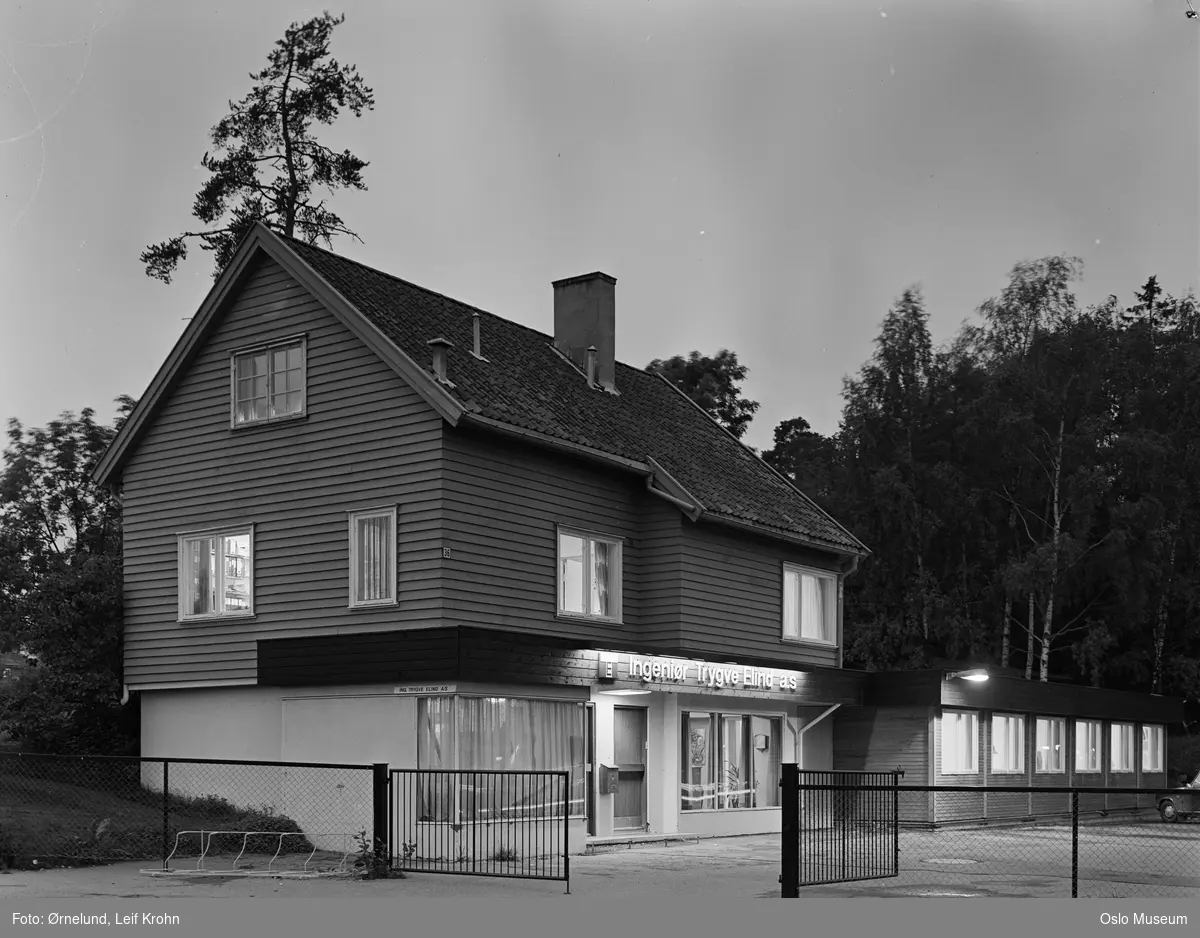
425,689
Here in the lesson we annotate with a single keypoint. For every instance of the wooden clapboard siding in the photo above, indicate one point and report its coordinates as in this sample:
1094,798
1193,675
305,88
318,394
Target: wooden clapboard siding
502,504
732,596
368,439
877,739
660,622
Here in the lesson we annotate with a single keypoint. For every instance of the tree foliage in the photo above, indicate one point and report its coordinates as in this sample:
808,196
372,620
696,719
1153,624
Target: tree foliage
267,166
1030,489
60,587
713,383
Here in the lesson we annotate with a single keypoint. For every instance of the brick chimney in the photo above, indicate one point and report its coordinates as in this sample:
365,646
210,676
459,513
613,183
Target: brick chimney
585,316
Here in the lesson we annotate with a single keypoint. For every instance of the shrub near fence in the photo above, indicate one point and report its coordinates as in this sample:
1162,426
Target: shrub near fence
77,810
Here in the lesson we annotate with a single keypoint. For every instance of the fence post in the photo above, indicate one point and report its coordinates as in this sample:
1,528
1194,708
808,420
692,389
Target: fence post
379,810
566,800
166,812
1075,845
789,866
896,821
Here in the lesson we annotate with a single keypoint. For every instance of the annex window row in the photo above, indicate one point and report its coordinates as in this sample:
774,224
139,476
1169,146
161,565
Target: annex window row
216,567
960,748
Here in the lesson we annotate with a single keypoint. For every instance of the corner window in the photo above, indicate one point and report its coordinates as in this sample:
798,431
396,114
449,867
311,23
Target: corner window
960,742
216,574
1008,742
730,761
373,557
1121,749
1087,745
268,382
1152,748
809,605
589,576
1051,745
505,734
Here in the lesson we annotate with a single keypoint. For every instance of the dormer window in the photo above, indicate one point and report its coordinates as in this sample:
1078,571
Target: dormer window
268,382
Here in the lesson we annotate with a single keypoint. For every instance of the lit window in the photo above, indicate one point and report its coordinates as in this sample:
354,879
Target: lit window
1051,734
216,574
589,576
1087,745
1121,750
268,382
729,761
1152,748
809,605
960,742
1008,743
505,734
373,557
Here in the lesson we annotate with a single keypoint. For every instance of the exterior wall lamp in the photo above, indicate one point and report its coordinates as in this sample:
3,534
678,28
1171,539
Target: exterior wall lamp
973,674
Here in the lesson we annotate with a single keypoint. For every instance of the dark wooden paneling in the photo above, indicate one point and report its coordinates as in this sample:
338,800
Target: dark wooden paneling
368,439
732,595
412,655
903,688
1014,694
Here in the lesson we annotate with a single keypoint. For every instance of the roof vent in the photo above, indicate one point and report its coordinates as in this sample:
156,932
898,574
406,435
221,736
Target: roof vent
477,351
440,347
591,366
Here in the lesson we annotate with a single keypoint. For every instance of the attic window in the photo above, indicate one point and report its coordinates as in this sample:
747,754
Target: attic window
268,382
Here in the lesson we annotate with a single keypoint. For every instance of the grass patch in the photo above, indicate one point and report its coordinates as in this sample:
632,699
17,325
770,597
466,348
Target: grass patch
75,813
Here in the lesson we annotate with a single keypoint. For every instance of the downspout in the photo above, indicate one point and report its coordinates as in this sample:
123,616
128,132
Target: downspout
798,736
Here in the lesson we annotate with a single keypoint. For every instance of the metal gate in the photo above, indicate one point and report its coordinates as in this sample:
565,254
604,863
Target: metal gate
838,827
485,823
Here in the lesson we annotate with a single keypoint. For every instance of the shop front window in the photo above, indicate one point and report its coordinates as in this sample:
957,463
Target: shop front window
729,761
506,734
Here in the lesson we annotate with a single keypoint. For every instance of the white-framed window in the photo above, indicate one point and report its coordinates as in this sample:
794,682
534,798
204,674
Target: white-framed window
1050,742
1152,748
809,605
216,573
589,575
730,761
1008,742
960,742
1088,740
268,382
373,557
511,734
1121,747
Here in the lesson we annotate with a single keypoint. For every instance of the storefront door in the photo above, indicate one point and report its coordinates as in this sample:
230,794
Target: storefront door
629,751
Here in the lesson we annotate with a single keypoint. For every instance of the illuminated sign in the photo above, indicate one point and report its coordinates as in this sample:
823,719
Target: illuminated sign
698,674
425,689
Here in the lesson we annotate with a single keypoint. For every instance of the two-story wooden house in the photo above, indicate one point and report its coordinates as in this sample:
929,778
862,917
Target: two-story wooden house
365,522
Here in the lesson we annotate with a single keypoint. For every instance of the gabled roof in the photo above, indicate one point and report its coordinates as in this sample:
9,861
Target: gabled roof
524,386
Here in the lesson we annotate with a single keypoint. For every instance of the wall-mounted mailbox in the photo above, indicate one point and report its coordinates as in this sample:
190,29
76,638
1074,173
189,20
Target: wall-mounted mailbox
608,780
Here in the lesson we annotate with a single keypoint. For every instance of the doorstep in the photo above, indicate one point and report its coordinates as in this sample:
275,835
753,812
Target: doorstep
617,842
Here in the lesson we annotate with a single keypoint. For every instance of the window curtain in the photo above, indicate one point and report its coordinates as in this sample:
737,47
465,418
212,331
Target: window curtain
813,606
600,577
374,556
436,795
504,735
791,604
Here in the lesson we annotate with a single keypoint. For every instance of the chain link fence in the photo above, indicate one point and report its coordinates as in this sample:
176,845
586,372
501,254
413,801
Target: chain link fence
203,815
999,841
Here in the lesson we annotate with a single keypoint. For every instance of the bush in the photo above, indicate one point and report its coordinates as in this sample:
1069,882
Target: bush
1183,757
